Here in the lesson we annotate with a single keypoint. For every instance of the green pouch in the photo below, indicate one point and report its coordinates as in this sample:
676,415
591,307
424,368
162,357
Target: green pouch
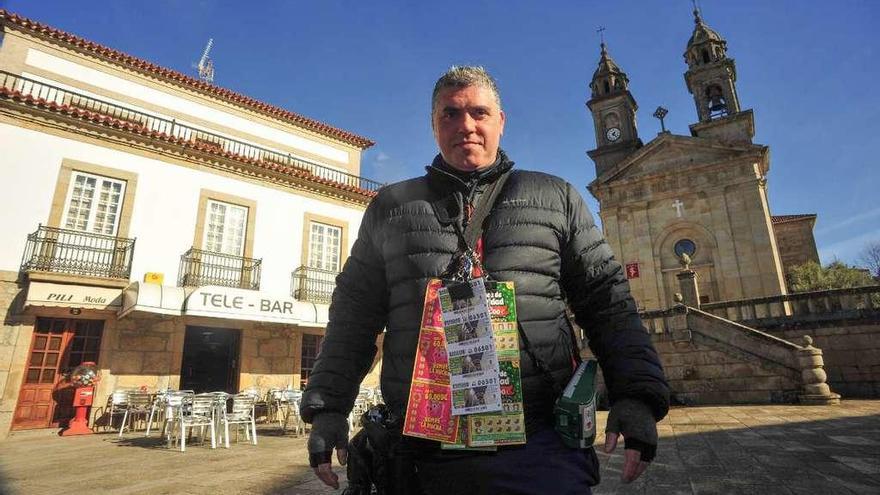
575,409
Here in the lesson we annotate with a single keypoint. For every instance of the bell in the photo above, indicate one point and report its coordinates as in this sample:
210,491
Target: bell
717,104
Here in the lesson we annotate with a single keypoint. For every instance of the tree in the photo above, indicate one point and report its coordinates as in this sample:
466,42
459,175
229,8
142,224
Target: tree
837,275
870,258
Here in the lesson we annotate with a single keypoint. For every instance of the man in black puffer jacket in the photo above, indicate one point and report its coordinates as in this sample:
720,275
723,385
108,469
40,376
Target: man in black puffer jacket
538,235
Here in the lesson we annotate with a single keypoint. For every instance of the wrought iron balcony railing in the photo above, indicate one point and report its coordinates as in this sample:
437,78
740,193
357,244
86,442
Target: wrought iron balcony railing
11,84
72,252
313,284
199,267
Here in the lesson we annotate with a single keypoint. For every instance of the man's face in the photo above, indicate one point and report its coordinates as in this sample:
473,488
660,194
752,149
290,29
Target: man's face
468,125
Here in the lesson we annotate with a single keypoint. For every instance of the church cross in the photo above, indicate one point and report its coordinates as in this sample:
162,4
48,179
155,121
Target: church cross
660,114
678,205
601,32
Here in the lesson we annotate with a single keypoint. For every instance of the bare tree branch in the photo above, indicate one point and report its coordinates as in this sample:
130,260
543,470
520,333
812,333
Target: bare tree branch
870,258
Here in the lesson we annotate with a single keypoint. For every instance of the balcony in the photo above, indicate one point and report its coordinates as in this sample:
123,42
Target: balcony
82,254
199,267
47,96
313,284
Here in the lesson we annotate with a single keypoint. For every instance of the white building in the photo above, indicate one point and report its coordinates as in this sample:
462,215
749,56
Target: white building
174,232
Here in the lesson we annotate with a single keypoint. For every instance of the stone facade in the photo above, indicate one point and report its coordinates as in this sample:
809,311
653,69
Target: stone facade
705,194
679,188
794,237
15,339
146,351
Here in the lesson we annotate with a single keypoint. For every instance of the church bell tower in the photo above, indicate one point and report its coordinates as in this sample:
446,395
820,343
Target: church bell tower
614,114
711,79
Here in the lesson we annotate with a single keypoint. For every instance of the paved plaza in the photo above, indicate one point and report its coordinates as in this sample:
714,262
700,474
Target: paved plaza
711,450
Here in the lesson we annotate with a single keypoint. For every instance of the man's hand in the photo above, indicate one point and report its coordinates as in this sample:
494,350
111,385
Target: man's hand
329,430
634,420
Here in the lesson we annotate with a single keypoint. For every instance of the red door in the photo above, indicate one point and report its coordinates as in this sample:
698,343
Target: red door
57,346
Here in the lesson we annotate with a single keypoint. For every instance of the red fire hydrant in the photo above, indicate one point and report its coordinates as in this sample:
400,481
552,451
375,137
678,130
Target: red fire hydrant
84,378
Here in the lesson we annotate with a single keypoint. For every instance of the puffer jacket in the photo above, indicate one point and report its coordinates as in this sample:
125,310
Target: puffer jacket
540,235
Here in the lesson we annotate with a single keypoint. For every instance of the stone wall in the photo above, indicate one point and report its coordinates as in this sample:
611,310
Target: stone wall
147,351
843,323
140,352
710,360
15,339
796,242
701,374
851,351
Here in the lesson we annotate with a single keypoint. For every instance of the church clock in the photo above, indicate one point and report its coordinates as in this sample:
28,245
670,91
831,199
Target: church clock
612,134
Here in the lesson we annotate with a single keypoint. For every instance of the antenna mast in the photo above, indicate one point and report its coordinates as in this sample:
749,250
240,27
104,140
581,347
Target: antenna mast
206,65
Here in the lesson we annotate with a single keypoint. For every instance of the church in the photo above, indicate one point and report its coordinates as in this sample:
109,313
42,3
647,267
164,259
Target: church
703,195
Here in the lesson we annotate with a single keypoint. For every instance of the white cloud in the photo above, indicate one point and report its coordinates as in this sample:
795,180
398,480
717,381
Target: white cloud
824,229
847,250
386,169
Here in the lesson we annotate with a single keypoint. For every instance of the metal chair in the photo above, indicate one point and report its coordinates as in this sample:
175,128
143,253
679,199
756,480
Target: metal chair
173,402
291,400
278,404
117,403
138,404
362,402
197,412
242,414
157,409
260,402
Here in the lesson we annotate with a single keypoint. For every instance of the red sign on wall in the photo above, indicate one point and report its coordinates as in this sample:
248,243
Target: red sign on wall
632,270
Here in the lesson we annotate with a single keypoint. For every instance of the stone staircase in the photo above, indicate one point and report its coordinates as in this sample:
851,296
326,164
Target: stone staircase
767,350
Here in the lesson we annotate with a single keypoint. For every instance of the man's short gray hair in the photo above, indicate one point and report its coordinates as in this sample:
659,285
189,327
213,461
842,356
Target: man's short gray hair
462,77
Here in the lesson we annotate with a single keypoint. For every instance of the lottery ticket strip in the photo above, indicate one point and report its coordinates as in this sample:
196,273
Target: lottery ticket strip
461,368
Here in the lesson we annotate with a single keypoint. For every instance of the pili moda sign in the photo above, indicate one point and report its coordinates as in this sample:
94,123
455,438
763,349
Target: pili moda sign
632,270
241,304
73,296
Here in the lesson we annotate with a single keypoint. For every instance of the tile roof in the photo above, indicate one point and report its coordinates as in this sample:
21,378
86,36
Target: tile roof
141,65
112,122
777,219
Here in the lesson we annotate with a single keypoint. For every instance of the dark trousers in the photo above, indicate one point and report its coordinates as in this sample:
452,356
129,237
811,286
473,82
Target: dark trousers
542,466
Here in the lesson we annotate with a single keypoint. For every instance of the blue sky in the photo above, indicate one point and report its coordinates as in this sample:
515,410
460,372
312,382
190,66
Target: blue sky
808,69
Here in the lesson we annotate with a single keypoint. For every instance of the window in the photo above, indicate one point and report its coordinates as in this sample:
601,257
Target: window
311,346
93,204
685,246
612,120
324,246
225,228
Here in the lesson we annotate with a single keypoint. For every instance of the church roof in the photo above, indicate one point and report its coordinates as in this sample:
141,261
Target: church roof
664,146
606,65
777,219
171,76
702,32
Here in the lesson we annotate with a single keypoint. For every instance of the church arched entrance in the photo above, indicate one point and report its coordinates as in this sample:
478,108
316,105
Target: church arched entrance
699,244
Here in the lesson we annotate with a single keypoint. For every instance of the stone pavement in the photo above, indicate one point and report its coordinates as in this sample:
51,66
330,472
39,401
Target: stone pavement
711,450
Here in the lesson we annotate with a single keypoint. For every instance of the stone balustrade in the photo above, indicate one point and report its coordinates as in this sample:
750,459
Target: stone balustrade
834,303
851,303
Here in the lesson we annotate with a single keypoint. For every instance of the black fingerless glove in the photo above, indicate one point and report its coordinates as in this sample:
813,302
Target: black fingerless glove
633,419
329,431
